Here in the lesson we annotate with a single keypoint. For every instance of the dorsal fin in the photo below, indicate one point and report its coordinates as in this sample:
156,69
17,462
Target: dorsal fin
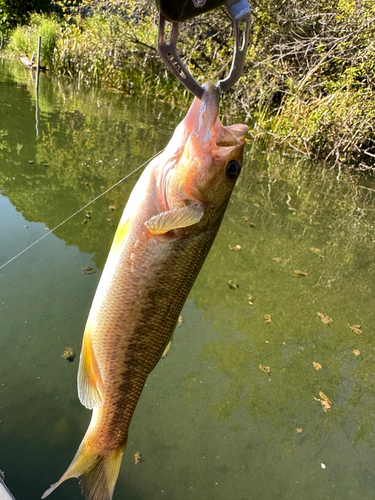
89,378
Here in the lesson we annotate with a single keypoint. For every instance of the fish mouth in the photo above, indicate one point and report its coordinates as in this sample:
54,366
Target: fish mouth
207,130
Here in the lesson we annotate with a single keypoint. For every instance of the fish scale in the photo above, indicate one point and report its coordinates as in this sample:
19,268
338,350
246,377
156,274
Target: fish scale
165,233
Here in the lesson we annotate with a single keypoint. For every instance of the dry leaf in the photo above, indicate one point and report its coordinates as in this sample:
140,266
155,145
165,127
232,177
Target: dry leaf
69,354
250,298
112,207
291,208
252,225
299,274
237,247
299,430
232,284
179,322
265,369
256,205
356,329
317,366
267,317
276,259
356,352
88,270
245,218
317,251
324,401
138,458
325,319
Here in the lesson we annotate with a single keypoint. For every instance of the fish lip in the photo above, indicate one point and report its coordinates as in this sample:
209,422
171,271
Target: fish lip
206,114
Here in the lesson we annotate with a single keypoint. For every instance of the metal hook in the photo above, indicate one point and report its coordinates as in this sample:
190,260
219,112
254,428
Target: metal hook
239,11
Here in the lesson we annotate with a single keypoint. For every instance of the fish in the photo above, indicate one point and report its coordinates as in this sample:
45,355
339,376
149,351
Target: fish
165,233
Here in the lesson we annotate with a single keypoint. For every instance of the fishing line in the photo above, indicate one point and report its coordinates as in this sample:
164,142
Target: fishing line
80,210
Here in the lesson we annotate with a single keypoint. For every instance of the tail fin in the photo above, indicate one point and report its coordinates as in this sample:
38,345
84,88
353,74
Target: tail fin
97,473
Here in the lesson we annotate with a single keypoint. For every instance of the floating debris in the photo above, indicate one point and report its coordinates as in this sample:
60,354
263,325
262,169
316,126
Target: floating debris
179,322
325,319
25,227
31,161
267,317
356,352
236,247
317,366
356,329
317,251
299,274
68,354
233,285
276,259
250,298
138,458
265,369
323,466
324,401
112,207
299,430
88,270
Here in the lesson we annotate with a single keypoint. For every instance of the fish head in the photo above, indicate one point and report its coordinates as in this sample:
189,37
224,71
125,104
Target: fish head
211,159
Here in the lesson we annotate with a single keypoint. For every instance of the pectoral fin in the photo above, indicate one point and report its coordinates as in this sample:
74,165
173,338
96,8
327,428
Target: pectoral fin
175,219
89,379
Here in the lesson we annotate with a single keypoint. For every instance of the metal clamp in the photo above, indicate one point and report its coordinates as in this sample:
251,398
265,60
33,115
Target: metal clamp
239,11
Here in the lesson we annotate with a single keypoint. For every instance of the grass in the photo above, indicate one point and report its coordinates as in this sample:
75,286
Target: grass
308,82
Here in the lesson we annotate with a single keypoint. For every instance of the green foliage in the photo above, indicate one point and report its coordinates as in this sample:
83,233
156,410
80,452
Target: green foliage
24,39
13,12
308,80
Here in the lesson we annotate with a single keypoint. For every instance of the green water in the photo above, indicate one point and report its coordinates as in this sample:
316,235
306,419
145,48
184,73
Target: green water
210,425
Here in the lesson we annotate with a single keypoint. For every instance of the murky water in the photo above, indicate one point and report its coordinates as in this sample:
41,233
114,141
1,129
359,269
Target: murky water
211,425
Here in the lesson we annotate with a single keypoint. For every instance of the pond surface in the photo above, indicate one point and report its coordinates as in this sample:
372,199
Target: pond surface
211,424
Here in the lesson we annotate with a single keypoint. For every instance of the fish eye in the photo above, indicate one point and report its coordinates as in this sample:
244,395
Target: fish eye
233,169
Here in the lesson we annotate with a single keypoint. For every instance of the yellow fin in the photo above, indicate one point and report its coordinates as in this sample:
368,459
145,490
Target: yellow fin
120,235
89,379
166,350
97,473
175,219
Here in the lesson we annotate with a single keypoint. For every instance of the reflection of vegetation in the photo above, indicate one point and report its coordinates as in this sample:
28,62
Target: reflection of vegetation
294,208
88,146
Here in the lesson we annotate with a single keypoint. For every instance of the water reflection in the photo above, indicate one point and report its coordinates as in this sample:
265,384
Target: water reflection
210,424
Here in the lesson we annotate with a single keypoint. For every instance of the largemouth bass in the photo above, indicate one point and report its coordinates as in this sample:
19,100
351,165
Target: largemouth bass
167,228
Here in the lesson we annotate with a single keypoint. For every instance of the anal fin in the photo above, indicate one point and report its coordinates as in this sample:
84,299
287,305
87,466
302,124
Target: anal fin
175,219
89,378
166,350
